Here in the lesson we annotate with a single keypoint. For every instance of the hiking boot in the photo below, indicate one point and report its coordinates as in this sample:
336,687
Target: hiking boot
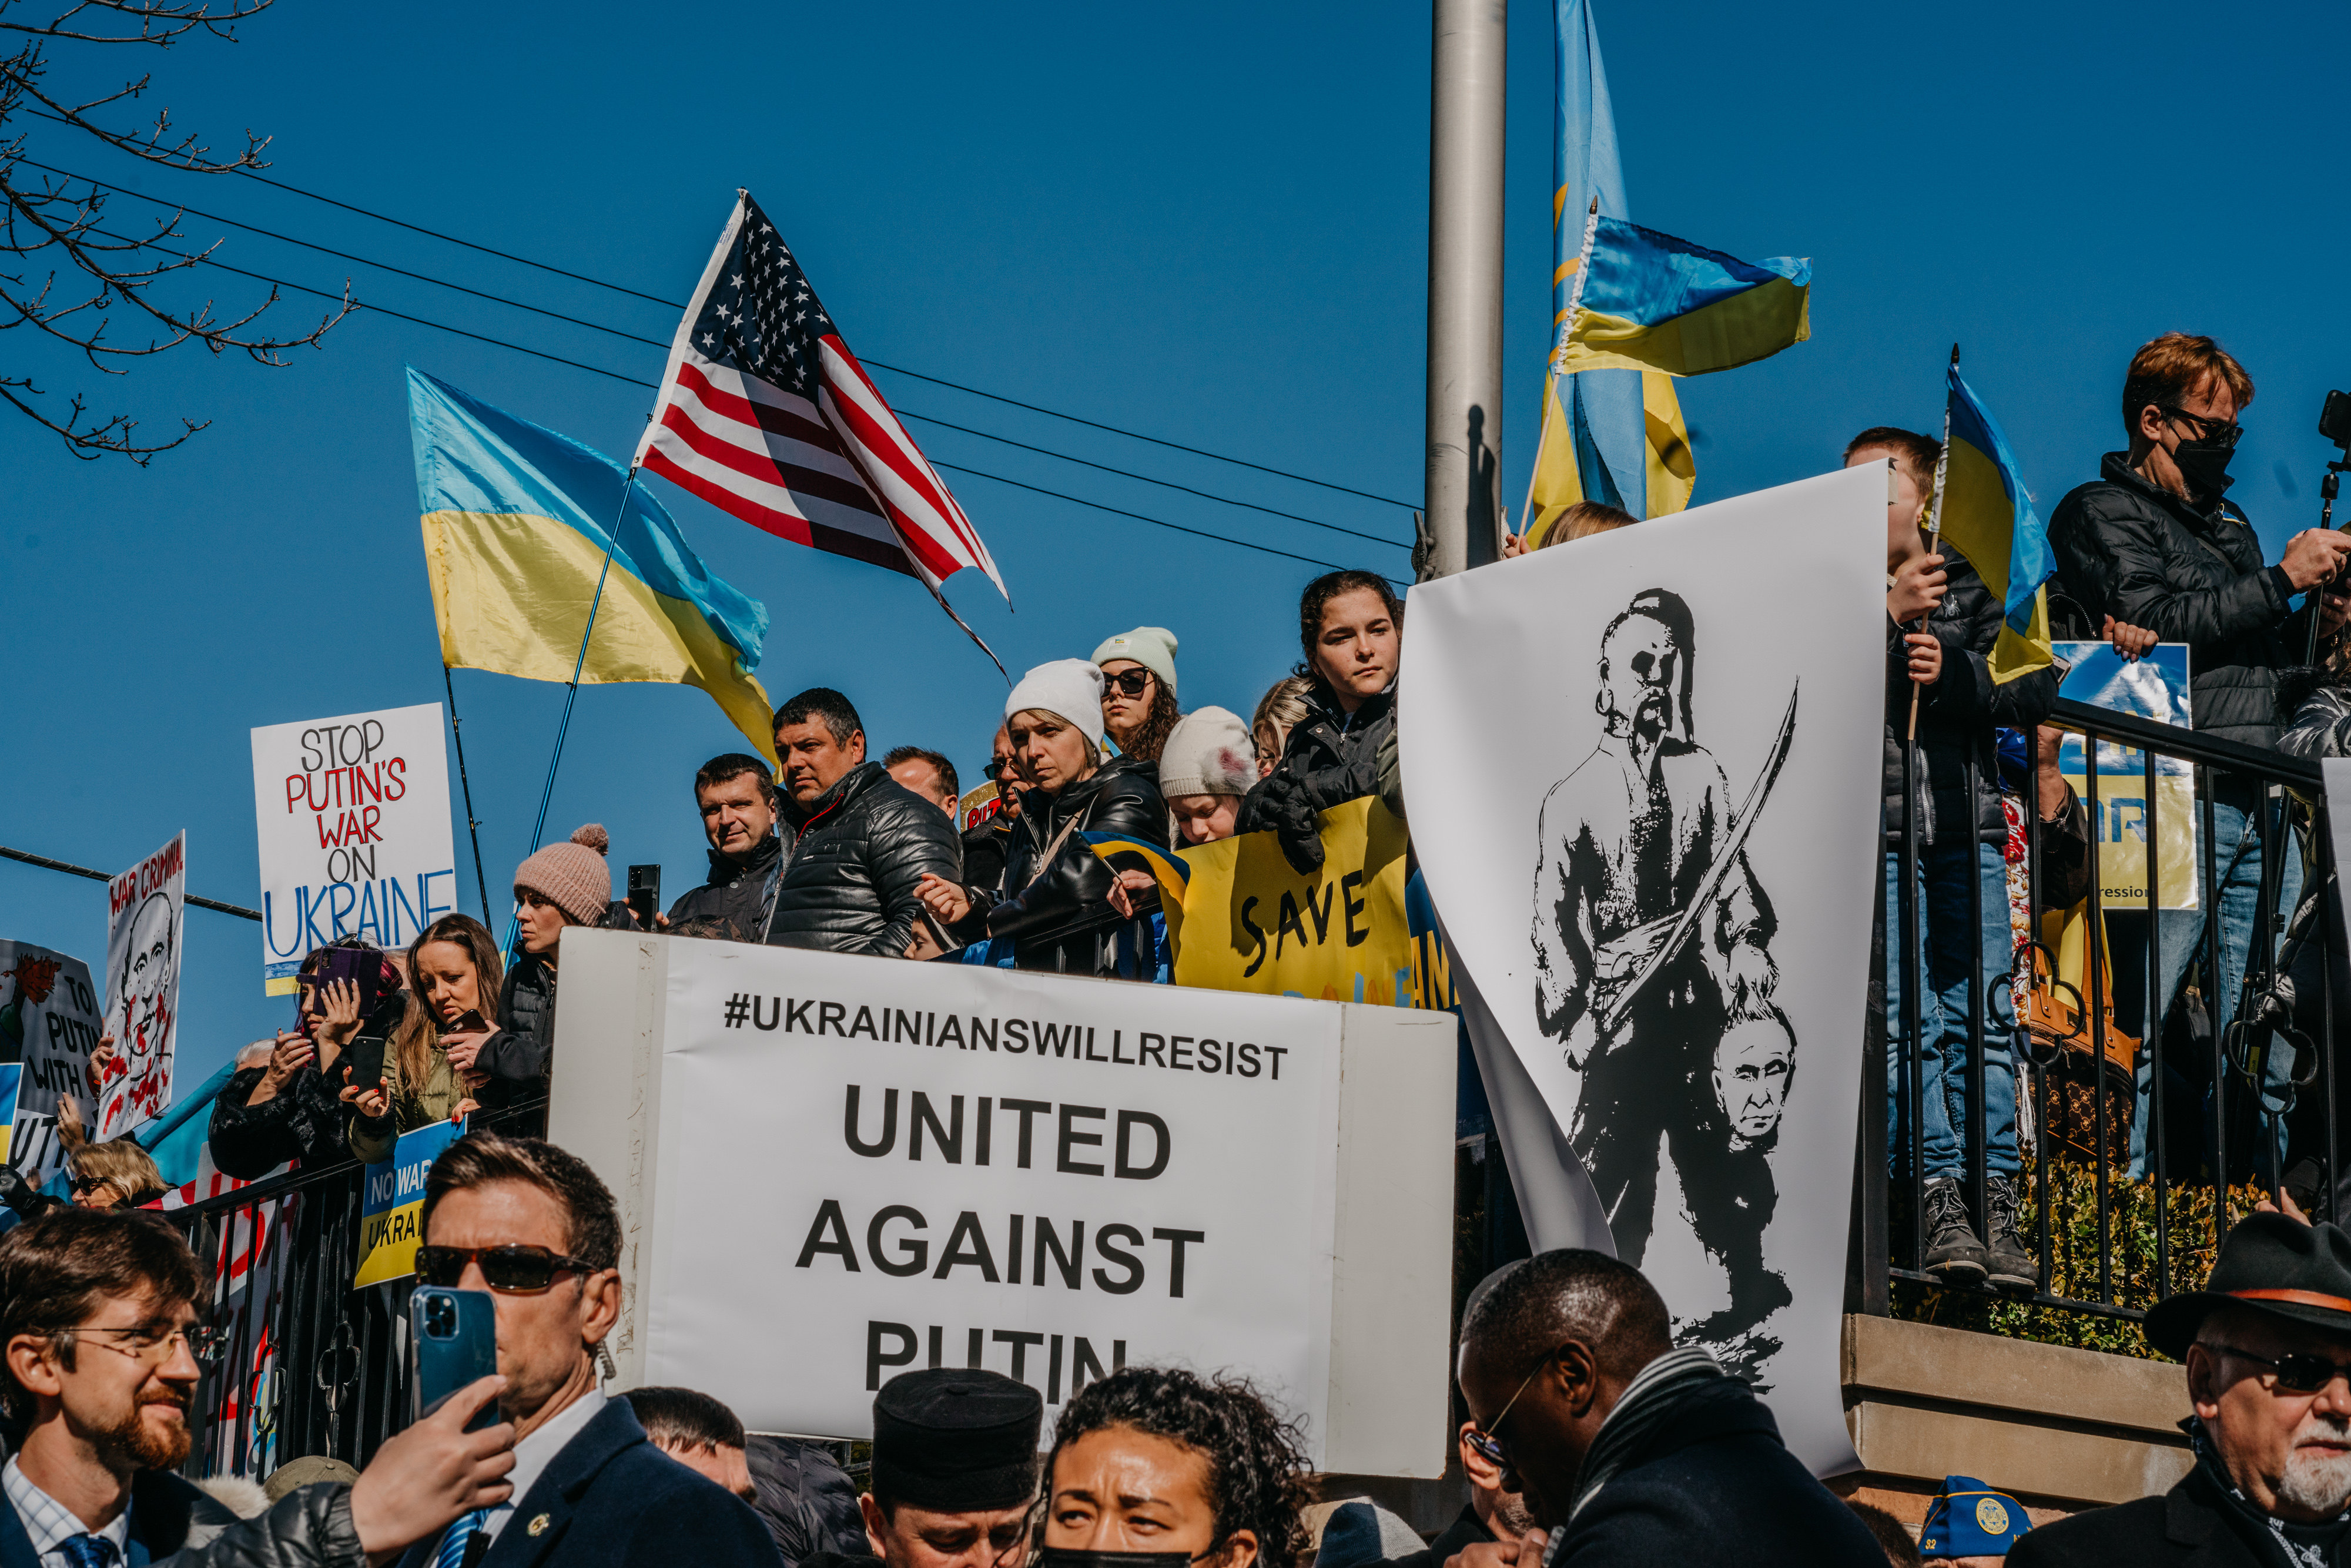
2009,1263
1952,1251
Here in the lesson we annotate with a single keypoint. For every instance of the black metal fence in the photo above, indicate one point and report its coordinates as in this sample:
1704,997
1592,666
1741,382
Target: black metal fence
2149,1113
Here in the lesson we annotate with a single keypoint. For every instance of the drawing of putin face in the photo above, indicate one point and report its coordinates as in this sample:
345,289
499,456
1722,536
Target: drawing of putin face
147,968
1751,1070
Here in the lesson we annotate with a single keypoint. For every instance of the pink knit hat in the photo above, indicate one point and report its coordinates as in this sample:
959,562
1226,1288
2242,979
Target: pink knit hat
574,874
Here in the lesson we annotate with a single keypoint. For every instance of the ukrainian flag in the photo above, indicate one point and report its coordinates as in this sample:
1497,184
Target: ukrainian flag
1613,436
1122,854
1652,302
516,521
1987,515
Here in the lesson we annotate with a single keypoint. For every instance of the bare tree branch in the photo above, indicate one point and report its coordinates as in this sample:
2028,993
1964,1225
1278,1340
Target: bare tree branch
65,278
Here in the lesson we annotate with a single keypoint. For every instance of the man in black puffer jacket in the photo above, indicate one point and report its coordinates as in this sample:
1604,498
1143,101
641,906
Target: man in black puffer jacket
865,839
736,797
2151,542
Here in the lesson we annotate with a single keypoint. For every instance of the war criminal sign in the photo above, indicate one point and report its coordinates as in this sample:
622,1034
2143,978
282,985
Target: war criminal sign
965,1166
353,818
147,912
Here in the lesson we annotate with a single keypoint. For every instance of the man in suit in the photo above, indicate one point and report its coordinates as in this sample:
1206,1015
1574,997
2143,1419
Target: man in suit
531,1224
2268,1347
100,1338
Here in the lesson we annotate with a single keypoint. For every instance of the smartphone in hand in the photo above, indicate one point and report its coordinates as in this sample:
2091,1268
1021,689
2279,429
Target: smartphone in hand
456,1344
645,894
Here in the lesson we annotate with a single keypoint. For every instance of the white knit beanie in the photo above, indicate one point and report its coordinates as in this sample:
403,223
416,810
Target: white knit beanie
1208,752
1069,687
1153,647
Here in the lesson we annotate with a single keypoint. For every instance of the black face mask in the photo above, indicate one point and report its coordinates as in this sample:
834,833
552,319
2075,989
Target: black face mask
1062,1557
2204,464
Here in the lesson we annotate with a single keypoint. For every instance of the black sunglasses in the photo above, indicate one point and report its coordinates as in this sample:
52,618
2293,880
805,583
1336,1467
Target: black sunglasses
2228,433
510,1270
1130,682
2296,1373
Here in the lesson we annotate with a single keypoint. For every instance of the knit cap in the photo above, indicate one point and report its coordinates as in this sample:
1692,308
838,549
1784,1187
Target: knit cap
1153,647
1208,752
573,875
1069,687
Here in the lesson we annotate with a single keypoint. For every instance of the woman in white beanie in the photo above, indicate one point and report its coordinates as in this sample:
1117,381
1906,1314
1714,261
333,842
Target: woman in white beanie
1053,907
1208,764
1138,701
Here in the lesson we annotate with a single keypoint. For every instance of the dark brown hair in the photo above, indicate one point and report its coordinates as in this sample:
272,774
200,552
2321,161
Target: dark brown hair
2174,366
1917,453
685,1418
592,1233
413,1041
1320,592
55,1270
1151,735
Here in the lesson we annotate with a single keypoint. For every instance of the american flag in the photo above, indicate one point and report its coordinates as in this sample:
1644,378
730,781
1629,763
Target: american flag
765,414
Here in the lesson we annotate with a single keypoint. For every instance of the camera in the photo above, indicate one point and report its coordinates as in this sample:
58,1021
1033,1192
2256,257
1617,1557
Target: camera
2335,419
439,1317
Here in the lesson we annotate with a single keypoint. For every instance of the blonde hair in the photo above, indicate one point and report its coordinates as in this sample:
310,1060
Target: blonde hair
1580,520
1279,711
122,1164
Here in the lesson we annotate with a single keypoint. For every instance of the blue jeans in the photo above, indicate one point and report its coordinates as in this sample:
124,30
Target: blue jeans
1950,942
2237,863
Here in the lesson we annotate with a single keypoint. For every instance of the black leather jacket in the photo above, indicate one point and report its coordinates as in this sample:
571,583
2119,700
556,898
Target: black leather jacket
303,1121
1053,912
733,895
864,845
2130,550
518,1053
1957,713
173,1522
1331,758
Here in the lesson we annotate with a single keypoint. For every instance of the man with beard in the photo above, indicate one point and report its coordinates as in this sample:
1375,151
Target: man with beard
100,1330
1626,1449
2268,1347
1626,844
736,797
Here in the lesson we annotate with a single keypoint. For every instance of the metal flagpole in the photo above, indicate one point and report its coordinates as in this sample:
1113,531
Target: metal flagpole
1469,43
571,687
472,828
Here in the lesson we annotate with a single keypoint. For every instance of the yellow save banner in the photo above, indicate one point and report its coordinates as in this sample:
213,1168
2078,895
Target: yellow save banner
1249,922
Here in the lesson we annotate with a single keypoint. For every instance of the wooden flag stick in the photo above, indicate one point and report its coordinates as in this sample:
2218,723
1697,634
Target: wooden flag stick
1934,529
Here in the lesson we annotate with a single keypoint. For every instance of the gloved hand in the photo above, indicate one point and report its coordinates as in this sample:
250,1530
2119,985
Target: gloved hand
1297,826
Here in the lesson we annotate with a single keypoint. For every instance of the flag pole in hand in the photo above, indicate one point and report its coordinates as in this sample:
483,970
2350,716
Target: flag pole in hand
1934,530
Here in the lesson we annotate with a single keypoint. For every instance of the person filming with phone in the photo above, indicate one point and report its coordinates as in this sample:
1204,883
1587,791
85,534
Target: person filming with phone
530,1224
453,986
2153,542
104,1346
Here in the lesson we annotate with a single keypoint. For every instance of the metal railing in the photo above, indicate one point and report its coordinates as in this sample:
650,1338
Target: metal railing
2106,1241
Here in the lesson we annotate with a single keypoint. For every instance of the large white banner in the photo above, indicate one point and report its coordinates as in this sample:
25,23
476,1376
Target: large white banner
352,814
146,917
965,1166
49,1021
1644,774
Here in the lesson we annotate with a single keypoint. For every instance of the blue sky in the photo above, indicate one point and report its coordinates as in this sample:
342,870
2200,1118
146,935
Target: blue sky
1206,223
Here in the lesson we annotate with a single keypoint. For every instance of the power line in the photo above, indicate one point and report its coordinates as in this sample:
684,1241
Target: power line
878,364
655,343
650,386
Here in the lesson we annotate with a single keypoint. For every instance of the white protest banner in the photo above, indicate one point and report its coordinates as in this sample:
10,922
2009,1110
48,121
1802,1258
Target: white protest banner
353,815
1670,737
49,1021
146,913
834,1168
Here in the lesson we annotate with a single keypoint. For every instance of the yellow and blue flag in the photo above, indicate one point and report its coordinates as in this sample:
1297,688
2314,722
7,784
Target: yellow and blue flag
516,521
1123,854
1652,302
1987,514
1609,435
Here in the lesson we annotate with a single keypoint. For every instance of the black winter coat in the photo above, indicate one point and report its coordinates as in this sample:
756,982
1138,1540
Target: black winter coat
517,1054
1464,1532
308,1527
984,850
1331,758
1054,912
2129,549
849,887
733,895
303,1121
808,1504
2187,1524
1721,1476
1957,713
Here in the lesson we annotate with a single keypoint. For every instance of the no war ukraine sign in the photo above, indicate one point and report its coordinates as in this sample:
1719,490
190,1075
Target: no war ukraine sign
353,818
392,1206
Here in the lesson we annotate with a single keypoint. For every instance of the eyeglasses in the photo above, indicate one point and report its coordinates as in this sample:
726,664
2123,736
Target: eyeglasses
1487,1442
511,1269
2228,433
204,1341
2294,1374
1130,682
